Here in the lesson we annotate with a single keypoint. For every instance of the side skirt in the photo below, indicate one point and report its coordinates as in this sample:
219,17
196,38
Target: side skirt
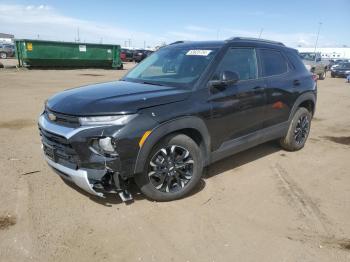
236,145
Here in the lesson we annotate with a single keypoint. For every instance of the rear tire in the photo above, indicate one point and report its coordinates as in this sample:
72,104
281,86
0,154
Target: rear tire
173,168
298,131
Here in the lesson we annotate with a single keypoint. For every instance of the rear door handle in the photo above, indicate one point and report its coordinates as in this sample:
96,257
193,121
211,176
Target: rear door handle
296,82
258,89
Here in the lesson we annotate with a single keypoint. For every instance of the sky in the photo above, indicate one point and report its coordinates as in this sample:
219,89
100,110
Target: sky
153,22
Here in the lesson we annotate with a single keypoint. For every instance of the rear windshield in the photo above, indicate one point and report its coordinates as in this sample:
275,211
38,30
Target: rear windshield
344,65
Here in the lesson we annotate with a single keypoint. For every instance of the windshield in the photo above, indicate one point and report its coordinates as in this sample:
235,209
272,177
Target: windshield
344,65
175,66
307,56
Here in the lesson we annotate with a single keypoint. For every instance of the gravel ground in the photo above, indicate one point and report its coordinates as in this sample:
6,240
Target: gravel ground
264,204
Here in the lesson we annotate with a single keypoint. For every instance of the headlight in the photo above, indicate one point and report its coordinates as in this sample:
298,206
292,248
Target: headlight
106,120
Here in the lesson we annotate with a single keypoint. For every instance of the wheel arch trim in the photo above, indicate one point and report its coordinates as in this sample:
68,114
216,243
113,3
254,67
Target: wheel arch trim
308,96
159,132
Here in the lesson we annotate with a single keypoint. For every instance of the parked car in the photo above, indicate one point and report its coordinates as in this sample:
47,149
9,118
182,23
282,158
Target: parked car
6,51
126,55
186,106
338,62
343,70
141,54
313,62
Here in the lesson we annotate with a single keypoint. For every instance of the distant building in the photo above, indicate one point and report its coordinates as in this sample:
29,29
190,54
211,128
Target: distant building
329,52
6,38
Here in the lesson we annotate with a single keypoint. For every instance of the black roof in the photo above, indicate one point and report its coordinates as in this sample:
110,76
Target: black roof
197,44
217,44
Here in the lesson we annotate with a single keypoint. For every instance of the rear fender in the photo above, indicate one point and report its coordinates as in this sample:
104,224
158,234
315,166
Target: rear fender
308,96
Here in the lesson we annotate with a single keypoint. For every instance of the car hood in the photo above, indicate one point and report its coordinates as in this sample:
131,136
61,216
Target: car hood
110,98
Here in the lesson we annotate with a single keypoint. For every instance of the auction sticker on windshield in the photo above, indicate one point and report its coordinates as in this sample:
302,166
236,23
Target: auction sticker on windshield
199,52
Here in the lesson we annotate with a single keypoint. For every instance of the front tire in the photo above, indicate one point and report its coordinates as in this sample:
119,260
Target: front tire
173,168
3,55
298,131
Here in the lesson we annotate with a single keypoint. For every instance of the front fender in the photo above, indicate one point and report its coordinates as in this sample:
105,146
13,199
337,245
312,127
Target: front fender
187,122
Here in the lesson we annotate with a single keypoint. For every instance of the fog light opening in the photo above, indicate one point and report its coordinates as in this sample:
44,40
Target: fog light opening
103,146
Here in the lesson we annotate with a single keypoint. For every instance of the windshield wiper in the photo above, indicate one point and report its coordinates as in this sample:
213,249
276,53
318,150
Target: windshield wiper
151,83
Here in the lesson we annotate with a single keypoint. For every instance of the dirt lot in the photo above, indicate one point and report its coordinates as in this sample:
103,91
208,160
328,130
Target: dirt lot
264,204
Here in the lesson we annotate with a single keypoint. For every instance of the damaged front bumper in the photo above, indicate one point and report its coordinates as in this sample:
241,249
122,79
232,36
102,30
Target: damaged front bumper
78,177
68,151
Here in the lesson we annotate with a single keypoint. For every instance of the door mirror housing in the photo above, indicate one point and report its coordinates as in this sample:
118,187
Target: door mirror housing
226,78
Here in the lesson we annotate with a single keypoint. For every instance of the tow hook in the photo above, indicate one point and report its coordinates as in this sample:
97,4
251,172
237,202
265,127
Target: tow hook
123,193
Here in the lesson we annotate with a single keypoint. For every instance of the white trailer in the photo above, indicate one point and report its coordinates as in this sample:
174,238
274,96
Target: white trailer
328,53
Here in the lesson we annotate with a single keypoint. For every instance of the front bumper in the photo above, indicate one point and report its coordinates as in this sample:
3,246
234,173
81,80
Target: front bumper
73,159
340,73
79,177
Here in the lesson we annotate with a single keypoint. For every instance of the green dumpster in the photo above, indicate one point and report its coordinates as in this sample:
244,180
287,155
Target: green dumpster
53,54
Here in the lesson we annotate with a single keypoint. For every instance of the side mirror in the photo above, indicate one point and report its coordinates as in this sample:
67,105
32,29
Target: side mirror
226,78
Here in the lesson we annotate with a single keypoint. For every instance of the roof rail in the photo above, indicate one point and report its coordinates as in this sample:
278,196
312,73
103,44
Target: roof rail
177,42
255,39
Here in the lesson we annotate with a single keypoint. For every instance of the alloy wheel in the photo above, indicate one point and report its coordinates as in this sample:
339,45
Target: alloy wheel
302,129
171,168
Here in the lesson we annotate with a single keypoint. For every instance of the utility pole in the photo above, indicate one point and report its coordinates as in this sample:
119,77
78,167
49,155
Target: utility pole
318,33
261,31
78,39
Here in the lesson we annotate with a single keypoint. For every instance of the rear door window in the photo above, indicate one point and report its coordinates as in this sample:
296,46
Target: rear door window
272,62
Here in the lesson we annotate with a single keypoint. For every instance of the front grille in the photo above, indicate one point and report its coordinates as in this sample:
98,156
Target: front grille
62,119
60,147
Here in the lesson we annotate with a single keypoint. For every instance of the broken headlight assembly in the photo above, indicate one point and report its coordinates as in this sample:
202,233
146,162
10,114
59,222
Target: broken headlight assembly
103,146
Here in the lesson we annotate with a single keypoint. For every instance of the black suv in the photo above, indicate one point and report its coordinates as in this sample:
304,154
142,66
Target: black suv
139,55
187,105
